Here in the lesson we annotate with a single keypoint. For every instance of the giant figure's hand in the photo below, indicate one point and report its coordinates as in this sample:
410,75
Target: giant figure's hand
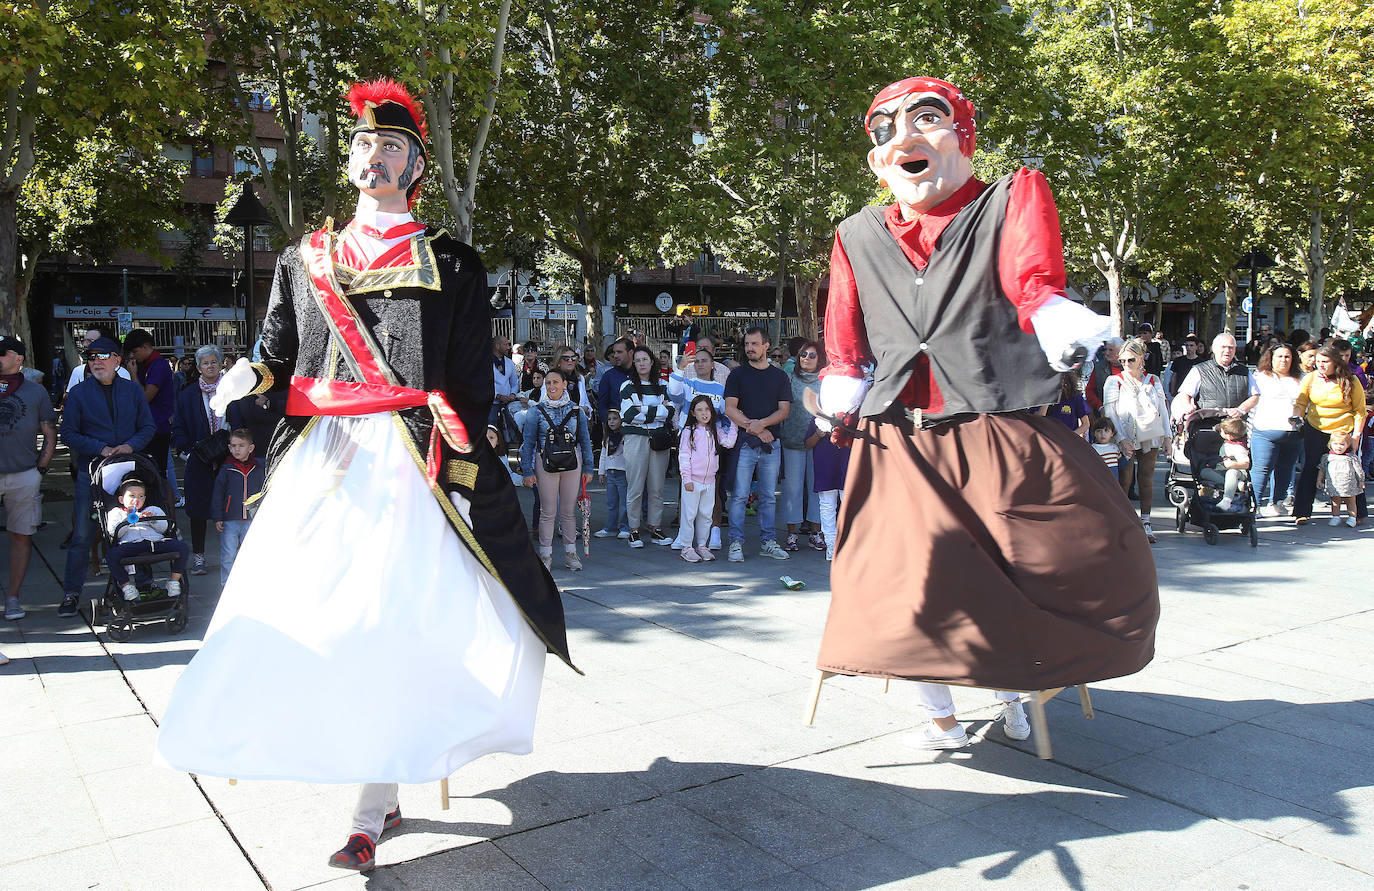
1063,326
236,383
839,400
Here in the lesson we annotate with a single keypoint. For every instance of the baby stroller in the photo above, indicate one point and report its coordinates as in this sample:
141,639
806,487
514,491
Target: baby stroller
1197,444
153,604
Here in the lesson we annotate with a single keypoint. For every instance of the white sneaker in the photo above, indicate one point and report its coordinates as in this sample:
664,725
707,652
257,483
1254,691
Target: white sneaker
714,542
736,552
130,591
570,560
1350,521
1336,521
623,534
606,533
1149,533
1270,510
1224,504
1014,723
174,587
933,738
690,555
772,549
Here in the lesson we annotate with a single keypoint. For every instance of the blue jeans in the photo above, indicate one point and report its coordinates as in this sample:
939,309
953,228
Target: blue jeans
617,517
83,533
799,487
230,540
1274,454
751,458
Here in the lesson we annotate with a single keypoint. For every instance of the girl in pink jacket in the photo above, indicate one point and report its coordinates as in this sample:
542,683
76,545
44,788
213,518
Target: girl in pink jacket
698,458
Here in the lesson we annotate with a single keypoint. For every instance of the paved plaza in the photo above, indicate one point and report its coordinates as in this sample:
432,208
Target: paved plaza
1241,758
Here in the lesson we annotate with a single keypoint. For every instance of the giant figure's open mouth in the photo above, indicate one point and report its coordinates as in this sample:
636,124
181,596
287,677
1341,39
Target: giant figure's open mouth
915,166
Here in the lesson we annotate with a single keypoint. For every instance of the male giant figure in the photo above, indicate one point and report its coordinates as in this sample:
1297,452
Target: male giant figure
980,543
386,620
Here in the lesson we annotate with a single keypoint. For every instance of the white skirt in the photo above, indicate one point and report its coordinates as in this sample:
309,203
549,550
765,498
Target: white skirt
358,639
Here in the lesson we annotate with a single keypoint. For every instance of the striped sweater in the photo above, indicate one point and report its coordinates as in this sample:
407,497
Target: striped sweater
642,415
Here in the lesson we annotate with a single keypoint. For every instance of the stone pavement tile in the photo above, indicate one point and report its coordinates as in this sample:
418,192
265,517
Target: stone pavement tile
1277,866
183,857
1323,652
483,866
1219,692
1317,776
1264,668
963,855
94,699
571,715
78,869
1074,740
793,880
37,781
574,855
1344,725
1163,710
112,743
26,703
1344,841
878,810
291,842
1256,811
130,800
692,849
776,823
873,865
247,795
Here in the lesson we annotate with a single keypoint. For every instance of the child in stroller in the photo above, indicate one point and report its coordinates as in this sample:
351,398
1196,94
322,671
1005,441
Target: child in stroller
137,528
1234,462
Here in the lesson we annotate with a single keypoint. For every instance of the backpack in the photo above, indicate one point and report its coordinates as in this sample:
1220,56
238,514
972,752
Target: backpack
559,450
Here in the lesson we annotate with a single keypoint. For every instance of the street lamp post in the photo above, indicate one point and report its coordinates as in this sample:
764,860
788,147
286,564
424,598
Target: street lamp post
248,212
1254,261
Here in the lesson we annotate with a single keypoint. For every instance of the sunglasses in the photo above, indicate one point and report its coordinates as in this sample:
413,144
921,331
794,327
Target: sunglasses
1131,359
570,357
808,355
101,355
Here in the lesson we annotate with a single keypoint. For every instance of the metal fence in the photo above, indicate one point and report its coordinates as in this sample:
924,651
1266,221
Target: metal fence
665,330
176,337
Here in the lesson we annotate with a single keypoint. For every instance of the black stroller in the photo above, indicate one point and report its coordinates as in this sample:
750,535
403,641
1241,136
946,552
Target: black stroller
1198,445
153,604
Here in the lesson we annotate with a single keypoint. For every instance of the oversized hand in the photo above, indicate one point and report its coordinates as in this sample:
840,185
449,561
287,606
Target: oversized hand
1063,326
234,384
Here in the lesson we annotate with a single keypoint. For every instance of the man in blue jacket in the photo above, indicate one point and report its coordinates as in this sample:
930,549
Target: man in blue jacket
104,415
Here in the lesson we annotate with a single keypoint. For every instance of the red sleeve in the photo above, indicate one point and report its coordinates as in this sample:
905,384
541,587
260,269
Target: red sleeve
846,338
1031,257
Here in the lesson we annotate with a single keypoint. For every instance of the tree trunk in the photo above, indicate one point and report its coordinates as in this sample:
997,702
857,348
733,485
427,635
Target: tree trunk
1232,285
778,289
9,261
1315,267
806,290
1111,272
592,289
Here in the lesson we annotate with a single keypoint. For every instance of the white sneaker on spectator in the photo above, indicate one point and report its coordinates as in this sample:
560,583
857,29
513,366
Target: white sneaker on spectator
932,737
736,552
623,534
714,541
772,549
13,611
1271,510
1336,521
1014,722
130,591
1350,521
1149,532
606,533
1224,504
174,588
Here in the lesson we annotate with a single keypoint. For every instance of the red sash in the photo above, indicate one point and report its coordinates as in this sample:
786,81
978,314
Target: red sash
377,389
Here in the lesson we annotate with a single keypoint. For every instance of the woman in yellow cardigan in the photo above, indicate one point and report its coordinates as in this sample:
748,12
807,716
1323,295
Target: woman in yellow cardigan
1331,402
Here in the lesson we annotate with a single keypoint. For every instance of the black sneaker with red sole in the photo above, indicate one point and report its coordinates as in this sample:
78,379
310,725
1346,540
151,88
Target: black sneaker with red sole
359,854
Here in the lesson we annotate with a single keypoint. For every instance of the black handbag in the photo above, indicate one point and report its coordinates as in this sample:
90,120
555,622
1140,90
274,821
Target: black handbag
213,449
661,440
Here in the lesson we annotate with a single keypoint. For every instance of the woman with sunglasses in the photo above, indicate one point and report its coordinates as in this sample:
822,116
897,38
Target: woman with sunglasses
799,499
1134,400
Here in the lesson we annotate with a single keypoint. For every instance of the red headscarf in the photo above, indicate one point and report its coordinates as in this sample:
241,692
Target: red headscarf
963,109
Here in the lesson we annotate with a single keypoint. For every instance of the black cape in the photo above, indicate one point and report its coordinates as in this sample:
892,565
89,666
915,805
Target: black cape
433,326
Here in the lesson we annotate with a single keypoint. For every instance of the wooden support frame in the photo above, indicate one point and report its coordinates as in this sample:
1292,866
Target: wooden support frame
1036,699
443,794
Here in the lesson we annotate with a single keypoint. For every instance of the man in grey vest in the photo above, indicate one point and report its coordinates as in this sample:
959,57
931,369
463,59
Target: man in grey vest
1220,383
975,533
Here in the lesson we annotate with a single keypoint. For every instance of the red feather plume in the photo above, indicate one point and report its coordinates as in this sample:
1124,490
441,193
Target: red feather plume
386,90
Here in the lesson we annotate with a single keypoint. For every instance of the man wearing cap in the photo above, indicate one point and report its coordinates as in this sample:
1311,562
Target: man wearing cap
386,620
155,376
82,368
995,522
104,415
25,412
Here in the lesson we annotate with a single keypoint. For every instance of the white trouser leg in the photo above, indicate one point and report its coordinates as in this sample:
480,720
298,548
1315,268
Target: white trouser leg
829,504
375,801
939,702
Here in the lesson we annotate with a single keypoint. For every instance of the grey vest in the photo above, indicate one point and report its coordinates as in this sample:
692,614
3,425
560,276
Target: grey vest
1218,389
954,311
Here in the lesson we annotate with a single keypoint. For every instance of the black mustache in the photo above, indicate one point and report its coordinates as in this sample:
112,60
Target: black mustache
380,170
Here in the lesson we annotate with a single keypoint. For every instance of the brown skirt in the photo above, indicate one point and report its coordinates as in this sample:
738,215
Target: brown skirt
996,551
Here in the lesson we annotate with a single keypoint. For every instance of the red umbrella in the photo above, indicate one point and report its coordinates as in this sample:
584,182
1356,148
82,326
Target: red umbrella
584,511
